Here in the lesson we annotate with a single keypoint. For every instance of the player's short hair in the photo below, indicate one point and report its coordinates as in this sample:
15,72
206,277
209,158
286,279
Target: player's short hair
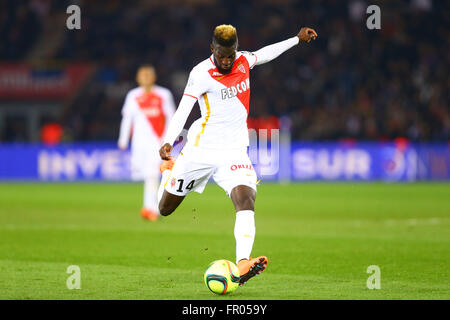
225,35
146,66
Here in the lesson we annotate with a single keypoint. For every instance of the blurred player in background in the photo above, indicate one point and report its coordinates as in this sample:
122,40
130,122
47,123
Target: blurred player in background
217,142
145,116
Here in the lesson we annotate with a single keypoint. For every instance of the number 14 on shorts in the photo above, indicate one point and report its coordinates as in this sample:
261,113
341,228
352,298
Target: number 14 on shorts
180,182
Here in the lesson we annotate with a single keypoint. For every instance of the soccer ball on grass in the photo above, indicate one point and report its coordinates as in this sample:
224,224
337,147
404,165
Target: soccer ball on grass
222,277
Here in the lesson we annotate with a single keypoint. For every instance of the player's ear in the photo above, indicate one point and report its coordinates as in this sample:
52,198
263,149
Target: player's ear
137,77
211,47
155,76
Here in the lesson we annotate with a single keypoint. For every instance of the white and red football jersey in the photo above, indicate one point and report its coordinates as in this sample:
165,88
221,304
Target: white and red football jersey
145,118
224,103
224,100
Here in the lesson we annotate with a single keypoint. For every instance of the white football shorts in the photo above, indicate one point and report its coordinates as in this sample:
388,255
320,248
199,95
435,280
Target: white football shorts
195,165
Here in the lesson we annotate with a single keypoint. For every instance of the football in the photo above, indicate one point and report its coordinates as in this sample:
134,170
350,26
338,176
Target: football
222,277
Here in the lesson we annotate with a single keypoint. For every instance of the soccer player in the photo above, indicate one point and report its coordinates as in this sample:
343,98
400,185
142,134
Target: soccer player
217,142
145,116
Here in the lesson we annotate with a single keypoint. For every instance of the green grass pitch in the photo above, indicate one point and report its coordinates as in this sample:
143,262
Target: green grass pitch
320,239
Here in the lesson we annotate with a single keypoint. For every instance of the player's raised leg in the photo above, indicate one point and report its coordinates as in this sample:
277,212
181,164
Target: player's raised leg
243,198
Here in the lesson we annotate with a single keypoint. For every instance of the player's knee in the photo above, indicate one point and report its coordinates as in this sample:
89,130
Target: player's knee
245,202
165,210
169,203
243,198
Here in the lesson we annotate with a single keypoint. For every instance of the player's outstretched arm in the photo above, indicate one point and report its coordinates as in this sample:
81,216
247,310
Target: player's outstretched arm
272,51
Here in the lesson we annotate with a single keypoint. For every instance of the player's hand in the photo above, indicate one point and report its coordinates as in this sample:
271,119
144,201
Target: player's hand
165,151
306,34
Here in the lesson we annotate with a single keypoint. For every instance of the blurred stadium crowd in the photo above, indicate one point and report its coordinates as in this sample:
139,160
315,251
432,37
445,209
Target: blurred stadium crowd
351,83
